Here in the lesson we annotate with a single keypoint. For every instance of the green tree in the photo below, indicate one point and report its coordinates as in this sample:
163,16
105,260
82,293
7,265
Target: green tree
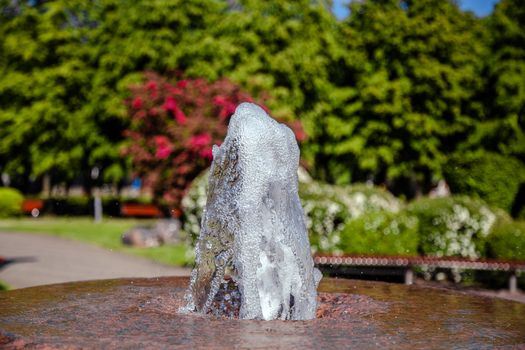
293,50
502,126
499,134
44,87
384,95
416,69
68,65
65,69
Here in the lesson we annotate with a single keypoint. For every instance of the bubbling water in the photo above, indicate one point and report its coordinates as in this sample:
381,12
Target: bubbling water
253,256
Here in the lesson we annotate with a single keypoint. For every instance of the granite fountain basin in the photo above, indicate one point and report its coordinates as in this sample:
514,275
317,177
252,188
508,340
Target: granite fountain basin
351,314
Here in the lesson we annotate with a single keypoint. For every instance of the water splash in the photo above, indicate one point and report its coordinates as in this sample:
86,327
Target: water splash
253,227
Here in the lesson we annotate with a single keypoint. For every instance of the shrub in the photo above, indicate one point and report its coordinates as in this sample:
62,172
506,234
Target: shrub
73,205
382,232
492,177
4,286
10,202
325,217
111,206
327,208
453,226
174,125
507,241
193,205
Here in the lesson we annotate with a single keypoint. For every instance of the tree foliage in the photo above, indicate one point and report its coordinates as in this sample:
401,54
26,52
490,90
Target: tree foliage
502,126
416,68
385,95
66,67
490,176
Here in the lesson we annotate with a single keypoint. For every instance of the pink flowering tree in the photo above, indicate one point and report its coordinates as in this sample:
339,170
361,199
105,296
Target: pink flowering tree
174,125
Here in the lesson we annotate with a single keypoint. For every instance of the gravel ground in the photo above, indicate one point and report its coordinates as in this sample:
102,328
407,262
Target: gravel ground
60,260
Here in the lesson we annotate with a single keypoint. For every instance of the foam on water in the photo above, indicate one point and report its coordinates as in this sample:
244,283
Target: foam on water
253,226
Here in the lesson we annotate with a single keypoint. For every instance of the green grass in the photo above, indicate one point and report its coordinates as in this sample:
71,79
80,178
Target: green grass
105,234
4,286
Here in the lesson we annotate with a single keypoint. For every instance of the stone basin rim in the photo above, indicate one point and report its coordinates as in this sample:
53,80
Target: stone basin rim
143,313
185,278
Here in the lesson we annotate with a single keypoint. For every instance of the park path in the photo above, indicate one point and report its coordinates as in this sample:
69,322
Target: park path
62,260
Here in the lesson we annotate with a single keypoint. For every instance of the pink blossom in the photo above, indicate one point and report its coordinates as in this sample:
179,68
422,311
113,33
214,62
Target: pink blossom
164,147
298,130
173,90
163,152
137,103
180,116
151,85
200,140
300,135
227,110
182,84
170,104
219,100
161,140
206,153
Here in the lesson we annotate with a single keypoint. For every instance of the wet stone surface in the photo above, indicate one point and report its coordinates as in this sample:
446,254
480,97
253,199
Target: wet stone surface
143,313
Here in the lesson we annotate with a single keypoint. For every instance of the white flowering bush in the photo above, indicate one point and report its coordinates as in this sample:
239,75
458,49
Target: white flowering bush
327,208
453,226
193,204
363,219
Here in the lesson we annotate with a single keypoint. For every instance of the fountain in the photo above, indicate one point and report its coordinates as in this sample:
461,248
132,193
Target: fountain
253,225
253,265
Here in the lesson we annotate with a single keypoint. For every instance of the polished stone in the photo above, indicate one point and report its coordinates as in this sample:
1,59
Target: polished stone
143,313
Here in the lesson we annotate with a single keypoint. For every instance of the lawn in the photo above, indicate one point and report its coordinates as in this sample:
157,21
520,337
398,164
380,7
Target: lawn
105,234
4,286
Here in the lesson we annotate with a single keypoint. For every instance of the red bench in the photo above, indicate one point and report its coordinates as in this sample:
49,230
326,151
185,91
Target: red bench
30,205
140,210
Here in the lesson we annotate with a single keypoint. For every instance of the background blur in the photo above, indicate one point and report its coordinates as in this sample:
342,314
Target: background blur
410,116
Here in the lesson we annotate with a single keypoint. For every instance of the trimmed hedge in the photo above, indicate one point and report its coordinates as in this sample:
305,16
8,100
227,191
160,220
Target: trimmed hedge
453,226
10,202
381,233
74,206
492,177
507,241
